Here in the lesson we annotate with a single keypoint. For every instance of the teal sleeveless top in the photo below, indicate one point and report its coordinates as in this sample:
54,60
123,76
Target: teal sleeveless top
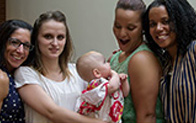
129,115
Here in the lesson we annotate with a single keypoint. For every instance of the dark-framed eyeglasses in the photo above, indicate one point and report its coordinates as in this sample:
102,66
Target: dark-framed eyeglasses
16,43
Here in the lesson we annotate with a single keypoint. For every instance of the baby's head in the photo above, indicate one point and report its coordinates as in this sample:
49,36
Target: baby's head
92,65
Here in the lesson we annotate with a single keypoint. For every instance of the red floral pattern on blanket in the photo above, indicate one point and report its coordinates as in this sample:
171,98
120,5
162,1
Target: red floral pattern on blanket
115,95
116,111
109,108
86,108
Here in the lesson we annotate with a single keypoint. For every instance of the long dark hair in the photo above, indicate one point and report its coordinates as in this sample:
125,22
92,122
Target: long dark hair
7,28
183,18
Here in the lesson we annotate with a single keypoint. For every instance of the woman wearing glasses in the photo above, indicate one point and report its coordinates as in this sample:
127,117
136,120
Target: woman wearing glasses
14,48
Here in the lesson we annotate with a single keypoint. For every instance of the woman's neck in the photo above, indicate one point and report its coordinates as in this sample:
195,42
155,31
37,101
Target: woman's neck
130,52
53,71
9,69
51,66
173,52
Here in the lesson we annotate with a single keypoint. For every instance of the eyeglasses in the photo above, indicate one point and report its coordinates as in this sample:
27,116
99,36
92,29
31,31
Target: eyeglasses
16,43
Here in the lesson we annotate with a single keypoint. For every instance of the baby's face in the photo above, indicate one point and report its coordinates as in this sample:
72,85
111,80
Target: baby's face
104,67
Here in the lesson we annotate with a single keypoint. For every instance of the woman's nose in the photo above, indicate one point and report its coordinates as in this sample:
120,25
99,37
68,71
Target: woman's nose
20,48
123,32
54,41
159,27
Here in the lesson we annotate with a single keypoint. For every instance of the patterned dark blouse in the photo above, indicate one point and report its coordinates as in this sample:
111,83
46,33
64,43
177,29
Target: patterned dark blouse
12,110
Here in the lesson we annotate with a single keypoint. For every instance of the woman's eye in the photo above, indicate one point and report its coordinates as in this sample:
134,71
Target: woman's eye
152,24
60,37
47,36
166,22
130,28
15,42
27,46
117,26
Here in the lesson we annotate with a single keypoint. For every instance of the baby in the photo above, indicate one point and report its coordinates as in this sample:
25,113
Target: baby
104,96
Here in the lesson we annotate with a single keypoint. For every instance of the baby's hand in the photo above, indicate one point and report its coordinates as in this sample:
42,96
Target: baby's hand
114,82
124,84
123,77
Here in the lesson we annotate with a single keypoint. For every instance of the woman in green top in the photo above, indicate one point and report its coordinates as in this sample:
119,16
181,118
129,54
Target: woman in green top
136,60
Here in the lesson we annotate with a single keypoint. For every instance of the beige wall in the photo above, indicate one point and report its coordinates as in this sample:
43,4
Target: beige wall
90,21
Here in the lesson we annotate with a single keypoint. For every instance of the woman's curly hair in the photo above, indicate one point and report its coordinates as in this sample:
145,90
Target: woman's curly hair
182,17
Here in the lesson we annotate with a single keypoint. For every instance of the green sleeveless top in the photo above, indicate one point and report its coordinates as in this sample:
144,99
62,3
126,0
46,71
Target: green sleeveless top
129,115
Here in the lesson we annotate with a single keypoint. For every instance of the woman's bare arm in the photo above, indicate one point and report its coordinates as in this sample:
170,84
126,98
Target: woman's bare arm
145,72
36,98
4,86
